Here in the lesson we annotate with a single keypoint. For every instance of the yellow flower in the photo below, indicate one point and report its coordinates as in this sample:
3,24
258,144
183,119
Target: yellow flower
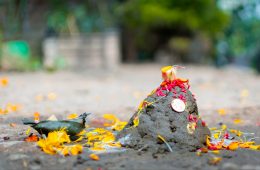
55,143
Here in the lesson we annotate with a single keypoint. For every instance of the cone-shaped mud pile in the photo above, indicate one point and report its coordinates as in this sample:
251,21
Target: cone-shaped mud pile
168,116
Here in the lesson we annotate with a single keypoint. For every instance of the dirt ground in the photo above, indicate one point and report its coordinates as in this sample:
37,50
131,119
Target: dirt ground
237,91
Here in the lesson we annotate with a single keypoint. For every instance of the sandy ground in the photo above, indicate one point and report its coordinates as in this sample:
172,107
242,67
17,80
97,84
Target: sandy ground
235,90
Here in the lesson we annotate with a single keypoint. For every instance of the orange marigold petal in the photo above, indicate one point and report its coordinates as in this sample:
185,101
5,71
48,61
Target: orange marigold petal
94,157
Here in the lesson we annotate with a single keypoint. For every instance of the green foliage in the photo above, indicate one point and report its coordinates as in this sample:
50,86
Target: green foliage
86,16
243,34
200,15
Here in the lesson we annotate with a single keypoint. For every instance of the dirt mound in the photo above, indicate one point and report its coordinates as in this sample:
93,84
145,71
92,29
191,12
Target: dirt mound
168,116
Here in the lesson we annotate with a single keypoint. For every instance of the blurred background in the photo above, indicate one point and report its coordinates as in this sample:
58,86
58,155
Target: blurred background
65,56
90,34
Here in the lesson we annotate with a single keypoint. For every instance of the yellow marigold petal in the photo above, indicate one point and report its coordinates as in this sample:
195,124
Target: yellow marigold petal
76,149
4,81
119,126
65,151
36,117
115,144
224,127
94,157
11,107
233,146
215,160
221,112
28,131
216,135
111,118
72,116
97,149
215,152
254,147
213,128
136,121
236,132
237,121
246,144
208,141
140,107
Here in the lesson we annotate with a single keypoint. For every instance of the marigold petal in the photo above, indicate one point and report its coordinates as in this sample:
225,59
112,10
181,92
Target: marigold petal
94,157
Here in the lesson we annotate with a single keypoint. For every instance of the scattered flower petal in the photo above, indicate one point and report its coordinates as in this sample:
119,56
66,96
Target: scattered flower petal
215,160
72,116
94,157
237,121
12,124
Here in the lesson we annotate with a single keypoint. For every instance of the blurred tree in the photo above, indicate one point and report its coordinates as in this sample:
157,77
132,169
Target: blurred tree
149,24
243,34
80,16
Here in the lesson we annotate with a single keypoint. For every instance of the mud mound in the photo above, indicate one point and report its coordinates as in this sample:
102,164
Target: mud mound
171,113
